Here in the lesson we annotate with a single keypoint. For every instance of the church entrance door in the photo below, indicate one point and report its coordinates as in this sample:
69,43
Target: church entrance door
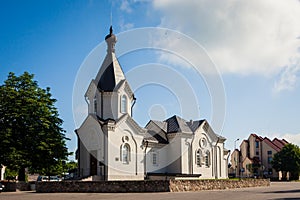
93,165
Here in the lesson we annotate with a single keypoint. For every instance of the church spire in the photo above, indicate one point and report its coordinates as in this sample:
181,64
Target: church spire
110,73
111,40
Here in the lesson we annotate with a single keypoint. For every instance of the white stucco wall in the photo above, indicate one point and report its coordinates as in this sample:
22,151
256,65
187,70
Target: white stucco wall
110,105
185,154
163,160
218,161
174,154
134,169
91,142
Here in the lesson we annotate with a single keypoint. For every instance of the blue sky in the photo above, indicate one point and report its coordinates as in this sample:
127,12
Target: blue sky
254,45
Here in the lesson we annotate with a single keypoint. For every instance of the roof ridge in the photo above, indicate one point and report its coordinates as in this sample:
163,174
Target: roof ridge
154,121
272,143
279,140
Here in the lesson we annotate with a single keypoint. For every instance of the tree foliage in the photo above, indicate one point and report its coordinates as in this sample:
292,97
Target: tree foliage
253,168
288,160
30,128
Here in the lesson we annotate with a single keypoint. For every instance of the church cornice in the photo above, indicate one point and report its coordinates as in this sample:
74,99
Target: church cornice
130,121
135,125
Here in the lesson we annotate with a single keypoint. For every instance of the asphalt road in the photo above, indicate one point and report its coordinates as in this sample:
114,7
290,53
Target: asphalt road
277,191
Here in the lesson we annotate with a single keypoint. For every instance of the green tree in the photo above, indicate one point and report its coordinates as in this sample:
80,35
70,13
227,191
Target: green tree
288,160
30,128
10,174
253,168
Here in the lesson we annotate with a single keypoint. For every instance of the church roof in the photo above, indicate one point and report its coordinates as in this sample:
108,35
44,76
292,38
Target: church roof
176,124
156,132
161,125
110,73
194,125
152,136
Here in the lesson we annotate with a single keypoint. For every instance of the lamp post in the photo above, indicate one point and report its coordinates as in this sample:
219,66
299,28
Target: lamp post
235,143
236,157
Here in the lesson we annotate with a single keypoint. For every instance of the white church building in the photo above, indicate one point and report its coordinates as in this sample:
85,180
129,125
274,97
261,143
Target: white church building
112,146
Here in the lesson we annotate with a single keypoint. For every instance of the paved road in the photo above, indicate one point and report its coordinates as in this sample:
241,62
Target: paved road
277,191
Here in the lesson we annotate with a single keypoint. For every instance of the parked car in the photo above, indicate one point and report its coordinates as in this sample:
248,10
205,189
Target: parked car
1,187
46,178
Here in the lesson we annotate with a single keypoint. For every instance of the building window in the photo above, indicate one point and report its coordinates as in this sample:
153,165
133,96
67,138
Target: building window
269,152
257,144
95,105
124,104
198,158
125,151
202,142
257,153
154,158
207,159
270,160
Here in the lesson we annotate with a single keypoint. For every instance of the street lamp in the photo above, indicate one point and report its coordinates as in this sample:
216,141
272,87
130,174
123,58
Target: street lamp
236,155
235,143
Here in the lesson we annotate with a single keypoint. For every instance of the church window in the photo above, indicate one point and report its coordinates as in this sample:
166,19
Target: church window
198,158
154,158
207,159
125,153
95,105
123,104
202,142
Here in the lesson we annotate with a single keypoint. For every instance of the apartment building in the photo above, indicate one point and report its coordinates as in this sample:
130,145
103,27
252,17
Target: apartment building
255,156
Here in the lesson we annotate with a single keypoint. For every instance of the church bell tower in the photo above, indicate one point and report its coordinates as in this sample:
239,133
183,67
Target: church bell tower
109,94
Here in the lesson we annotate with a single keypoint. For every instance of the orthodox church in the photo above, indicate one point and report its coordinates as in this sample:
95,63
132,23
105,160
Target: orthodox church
112,146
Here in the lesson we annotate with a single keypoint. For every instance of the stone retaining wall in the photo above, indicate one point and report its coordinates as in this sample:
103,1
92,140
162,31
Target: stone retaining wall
9,186
147,186
14,186
23,186
103,186
198,185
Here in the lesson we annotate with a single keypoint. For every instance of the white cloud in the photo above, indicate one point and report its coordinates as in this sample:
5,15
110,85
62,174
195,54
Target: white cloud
288,78
125,6
291,138
243,37
125,26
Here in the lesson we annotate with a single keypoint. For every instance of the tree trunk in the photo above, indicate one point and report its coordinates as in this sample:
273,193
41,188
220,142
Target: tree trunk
284,176
21,174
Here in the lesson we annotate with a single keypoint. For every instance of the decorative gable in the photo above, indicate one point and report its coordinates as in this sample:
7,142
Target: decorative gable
91,91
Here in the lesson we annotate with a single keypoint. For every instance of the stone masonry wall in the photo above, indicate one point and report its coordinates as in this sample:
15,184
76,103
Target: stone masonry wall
103,186
9,186
146,186
198,185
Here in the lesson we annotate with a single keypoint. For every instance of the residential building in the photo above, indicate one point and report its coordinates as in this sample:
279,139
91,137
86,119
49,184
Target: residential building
255,157
112,146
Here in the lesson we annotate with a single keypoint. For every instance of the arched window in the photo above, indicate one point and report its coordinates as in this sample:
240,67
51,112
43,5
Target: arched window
125,151
95,105
124,104
207,159
198,157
